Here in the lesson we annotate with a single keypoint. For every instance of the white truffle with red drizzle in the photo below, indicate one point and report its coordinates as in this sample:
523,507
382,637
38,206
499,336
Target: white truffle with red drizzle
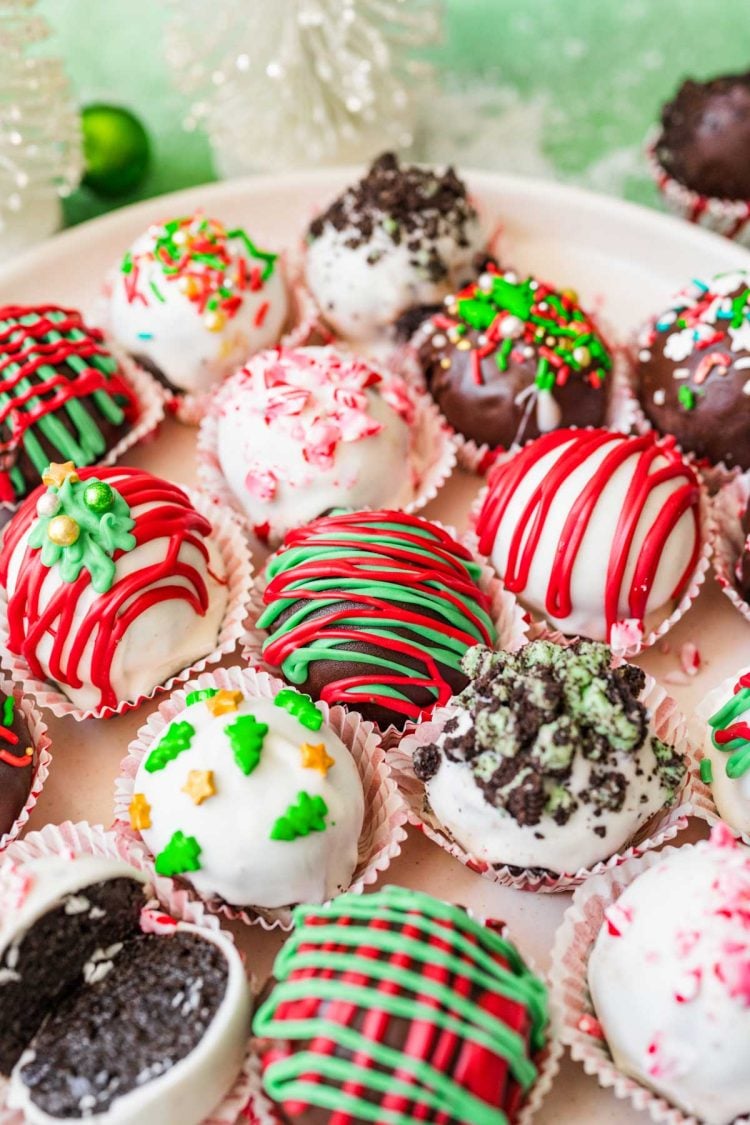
669,977
301,431
193,299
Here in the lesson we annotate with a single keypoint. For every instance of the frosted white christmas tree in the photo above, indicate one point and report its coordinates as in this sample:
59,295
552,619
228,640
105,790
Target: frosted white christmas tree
40,143
292,83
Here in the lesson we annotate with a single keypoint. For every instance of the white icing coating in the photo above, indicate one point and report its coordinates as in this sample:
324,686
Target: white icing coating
732,795
239,861
305,430
173,333
193,1087
162,640
589,576
669,977
493,835
360,298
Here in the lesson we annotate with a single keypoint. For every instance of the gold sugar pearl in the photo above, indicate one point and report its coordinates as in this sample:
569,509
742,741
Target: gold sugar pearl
214,320
63,531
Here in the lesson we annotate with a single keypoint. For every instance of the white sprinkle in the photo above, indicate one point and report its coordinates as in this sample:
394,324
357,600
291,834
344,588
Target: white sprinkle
511,327
7,975
680,372
484,281
439,340
97,912
743,364
77,904
746,388
513,278
88,1101
11,957
644,354
660,397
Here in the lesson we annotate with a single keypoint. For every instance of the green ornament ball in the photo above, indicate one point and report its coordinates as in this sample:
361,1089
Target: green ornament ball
116,150
98,497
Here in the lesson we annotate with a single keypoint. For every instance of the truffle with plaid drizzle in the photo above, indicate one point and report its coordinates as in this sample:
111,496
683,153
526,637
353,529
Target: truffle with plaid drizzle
395,1007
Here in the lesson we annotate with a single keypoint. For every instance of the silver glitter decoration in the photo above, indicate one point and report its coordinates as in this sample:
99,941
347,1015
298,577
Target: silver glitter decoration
293,83
40,130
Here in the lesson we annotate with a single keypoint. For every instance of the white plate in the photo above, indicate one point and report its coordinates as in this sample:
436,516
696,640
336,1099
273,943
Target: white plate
619,257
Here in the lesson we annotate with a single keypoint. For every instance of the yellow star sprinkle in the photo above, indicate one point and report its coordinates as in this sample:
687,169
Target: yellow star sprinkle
55,474
316,758
199,785
224,701
140,812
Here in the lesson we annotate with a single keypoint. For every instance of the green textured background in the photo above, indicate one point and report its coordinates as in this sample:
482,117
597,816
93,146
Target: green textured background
564,88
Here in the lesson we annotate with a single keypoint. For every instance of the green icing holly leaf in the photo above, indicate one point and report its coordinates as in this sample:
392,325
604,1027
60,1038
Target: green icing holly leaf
181,854
301,707
306,815
80,526
246,736
177,738
201,694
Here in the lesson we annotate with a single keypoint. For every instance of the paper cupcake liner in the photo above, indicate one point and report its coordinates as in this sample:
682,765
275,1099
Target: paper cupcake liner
727,539
667,723
69,839
730,217
383,831
234,552
42,757
571,1004
627,640
433,453
510,619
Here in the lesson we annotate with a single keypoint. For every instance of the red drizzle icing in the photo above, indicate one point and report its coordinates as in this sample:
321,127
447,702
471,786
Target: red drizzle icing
112,614
524,537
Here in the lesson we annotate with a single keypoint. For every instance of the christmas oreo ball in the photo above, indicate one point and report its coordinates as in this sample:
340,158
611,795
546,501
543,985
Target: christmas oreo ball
63,395
193,299
16,762
692,369
508,359
113,583
668,978
111,1010
397,1007
546,759
301,431
255,801
374,610
726,763
596,531
401,238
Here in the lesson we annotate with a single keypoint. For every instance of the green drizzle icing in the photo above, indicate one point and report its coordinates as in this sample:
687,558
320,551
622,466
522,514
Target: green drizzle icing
181,854
9,711
201,694
335,1081
246,736
306,815
178,737
301,707
706,771
730,732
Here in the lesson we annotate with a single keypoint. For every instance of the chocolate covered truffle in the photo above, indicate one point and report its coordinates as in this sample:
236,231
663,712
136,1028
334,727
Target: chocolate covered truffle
397,1007
508,359
547,759
374,610
402,237
63,395
692,369
16,762
705,136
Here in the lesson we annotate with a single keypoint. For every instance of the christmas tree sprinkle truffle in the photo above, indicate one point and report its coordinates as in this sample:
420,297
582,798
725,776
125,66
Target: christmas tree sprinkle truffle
253,800
114,583
726,765
193,299
62,395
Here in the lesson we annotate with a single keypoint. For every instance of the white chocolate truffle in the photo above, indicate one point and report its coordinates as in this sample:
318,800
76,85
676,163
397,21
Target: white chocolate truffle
594,530
727,748
250,803
193,300
546,760
108,603
401,237
669,977
302,431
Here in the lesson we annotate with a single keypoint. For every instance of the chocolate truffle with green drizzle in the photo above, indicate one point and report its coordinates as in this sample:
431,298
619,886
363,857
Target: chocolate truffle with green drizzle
374,610
510,359
396,1007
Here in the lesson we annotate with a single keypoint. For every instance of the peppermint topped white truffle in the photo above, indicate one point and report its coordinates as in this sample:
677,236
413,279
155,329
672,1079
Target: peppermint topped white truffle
192,300
547,760
254,801
726,766
669,977
400,238
301,431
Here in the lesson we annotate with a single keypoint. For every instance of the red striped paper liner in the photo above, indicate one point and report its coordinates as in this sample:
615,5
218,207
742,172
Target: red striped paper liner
42,757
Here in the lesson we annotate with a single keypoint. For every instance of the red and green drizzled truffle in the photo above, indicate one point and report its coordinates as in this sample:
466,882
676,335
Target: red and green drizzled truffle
511,358
374,610
726,765
63,395
396,1007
